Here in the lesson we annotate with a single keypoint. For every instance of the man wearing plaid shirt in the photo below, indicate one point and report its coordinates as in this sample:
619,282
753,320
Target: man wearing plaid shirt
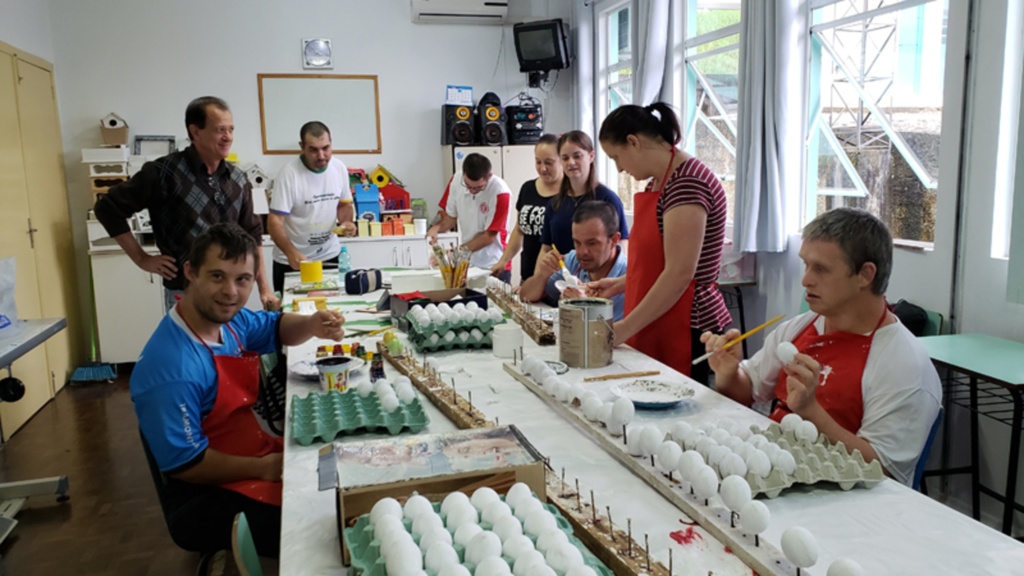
185,192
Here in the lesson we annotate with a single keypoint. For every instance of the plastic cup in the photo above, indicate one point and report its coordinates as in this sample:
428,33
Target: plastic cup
333,373
421,226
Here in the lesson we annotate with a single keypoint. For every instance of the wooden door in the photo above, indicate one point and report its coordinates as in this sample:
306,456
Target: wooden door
14,241
47,197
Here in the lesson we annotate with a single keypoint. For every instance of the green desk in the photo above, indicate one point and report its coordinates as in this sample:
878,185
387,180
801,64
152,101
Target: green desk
995,368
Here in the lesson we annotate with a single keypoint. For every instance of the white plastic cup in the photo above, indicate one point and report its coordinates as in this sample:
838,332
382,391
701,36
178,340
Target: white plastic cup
506,339
421,226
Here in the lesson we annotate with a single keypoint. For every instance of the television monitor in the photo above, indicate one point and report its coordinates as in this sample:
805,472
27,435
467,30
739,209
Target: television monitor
541,46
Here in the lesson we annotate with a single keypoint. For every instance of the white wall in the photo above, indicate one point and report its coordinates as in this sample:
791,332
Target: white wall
147,60
25,24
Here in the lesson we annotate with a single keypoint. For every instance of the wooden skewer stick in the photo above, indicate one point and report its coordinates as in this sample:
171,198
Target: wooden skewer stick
470,402
741,338
611,526
669,562
563,475
624,439
647,553
593,509
578,505
629,535
622,375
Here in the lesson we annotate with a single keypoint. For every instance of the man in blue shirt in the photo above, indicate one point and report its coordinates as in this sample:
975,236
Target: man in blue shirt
194,387
597,255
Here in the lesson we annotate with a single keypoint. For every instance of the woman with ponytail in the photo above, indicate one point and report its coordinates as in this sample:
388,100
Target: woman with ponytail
678,234
579,185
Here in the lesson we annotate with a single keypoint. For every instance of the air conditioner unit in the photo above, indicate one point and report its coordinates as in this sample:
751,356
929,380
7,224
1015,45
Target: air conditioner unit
487,12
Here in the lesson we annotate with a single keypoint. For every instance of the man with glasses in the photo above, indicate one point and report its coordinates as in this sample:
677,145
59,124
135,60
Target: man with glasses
185,192
478,201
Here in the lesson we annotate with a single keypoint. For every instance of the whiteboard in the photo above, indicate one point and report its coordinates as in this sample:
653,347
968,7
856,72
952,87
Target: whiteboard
348,105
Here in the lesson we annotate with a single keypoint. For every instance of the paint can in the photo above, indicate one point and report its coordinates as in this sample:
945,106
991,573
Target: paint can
333,373
585,332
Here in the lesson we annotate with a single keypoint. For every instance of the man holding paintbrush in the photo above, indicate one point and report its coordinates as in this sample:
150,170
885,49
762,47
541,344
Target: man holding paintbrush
478,201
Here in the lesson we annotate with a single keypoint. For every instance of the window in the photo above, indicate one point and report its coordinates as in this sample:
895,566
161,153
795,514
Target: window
876,83
1008,151
711,88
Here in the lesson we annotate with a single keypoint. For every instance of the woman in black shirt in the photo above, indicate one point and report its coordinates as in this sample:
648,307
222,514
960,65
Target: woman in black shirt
530,207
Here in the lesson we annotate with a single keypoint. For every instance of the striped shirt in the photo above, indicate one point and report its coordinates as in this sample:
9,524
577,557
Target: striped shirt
693,183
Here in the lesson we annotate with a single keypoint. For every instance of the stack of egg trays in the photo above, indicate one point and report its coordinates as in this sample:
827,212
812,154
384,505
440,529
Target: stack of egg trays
326,415
364,551
422,344
815,462
443,328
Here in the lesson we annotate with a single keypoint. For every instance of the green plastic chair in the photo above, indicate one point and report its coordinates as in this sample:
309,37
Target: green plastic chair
244,548
934,325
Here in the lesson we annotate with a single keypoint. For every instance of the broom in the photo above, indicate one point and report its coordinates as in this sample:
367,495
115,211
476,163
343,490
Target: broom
93,371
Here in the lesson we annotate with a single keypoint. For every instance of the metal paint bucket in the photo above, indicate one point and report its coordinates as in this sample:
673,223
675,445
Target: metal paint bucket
585,332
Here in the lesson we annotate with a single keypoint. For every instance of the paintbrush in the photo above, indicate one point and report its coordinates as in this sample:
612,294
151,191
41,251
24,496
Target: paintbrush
741,338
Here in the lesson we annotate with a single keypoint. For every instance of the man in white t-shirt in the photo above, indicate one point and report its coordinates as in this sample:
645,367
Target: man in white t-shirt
311,194
859,375
478,201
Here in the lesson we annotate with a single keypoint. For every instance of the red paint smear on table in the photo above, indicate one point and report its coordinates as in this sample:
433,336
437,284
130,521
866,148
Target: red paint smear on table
681,521
727,551
685,537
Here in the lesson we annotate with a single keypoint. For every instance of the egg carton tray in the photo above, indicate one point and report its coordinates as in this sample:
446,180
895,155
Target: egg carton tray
815,462
326,415
364,550
425,345
444,327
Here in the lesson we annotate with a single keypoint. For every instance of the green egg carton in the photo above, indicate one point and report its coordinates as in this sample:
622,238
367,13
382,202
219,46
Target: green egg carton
424,345
326,415
427,329
364,550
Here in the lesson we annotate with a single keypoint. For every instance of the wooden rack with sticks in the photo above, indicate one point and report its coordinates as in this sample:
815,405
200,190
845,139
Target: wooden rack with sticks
534,327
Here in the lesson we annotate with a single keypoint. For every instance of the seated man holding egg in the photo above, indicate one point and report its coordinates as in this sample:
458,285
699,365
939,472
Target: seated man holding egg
848,366
597,255
194,387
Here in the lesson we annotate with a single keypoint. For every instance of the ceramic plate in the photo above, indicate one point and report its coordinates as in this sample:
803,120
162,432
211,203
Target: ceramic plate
653,394
306,369
559,367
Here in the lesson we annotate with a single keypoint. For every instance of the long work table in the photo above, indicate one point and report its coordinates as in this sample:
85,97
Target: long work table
889,529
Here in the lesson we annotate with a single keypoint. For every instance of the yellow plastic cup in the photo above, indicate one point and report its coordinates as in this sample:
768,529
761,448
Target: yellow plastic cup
311,271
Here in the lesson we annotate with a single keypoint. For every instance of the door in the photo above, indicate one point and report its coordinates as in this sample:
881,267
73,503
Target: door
129,306
15,241
47,196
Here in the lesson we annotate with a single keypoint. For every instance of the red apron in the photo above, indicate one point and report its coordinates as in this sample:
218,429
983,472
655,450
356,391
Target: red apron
667,339
842,356
231,427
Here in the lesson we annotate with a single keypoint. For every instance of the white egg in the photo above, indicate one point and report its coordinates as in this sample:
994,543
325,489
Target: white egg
364,389
434,364
790,422
754,517
717,454
668,455
604,413
550,538
449,336
735,492
450,500
652,438
690,439
430,307
516,546
705,444
482,497
467,316
492,566
526,507
744,450
437,317
540,570
800,547
538,521
496,314
433,536
623,410
389,402
635,441
807,432
483,545
581,570
417,505
689,462
454,570
406,395
516,493
563,557
844,567
771,449
732,465
494,511
758,463
476,334
425,522
757,440
395,540
385,507
387,524
576,392
707,426
720,435
463,336
443,308
481,315
744,434
679,430
548,379
526,561
472,306
591,404
434,339
784,461
729,426
705,482
404,560
439,556
786,351
459,307
563,391
465,534
459,514
733,442
382,387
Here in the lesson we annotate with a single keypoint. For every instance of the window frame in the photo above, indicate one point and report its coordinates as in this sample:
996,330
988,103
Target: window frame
603,10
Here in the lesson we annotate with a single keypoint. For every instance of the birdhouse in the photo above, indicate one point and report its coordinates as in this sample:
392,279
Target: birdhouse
257,177
114,130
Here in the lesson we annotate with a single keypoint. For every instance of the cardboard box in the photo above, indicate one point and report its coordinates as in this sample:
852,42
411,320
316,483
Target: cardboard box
399,307
376,229
114,130
364,227
364,480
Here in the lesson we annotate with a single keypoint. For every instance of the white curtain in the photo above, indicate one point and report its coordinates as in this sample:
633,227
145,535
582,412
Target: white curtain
586,39
651,49
769,148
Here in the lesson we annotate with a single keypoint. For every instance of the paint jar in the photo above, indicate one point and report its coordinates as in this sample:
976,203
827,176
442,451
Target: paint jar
311,271
421,226
506,339
585,332
333,373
